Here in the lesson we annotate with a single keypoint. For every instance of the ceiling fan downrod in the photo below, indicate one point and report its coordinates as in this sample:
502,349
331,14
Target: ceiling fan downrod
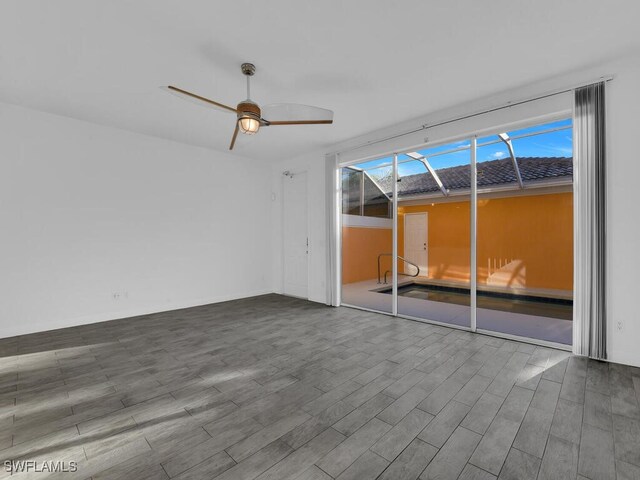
248,69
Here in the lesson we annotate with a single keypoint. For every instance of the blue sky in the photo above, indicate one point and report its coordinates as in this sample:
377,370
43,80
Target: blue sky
553,144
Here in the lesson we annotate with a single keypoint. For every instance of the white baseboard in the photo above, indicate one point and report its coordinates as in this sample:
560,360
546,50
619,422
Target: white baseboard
25,328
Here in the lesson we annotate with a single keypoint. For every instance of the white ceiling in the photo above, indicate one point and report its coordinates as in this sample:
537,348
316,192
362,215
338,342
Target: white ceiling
375,63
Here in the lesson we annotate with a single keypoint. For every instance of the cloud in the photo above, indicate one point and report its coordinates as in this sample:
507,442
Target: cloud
498,154
567,151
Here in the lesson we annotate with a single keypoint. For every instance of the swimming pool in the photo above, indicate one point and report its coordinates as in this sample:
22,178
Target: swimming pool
505,302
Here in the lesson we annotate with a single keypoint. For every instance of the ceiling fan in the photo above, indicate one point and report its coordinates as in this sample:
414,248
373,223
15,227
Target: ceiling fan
250,117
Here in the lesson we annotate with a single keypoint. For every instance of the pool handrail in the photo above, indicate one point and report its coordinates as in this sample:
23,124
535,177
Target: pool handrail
401,258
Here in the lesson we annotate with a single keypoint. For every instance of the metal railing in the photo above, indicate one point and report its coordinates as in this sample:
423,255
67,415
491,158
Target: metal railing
389,271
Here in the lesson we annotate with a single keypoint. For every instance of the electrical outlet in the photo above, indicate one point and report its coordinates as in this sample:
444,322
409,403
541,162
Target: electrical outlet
620,325
115,296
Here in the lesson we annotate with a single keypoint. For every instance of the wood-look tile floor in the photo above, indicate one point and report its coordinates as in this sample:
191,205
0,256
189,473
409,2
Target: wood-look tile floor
277,388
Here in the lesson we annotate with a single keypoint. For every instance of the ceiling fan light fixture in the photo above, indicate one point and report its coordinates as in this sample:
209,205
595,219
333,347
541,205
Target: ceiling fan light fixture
248,117
248,125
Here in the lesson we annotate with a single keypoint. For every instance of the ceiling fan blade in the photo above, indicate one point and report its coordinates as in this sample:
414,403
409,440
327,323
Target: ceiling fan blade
233,139
300,122
202,101
295,114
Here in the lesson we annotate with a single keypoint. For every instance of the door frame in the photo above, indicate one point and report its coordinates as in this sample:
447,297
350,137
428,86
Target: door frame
285,174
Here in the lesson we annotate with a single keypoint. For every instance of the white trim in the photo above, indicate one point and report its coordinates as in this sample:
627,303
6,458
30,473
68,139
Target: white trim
473,274
372,310
435,322
394,237
39,326
331,232
532,341
366,222
337,191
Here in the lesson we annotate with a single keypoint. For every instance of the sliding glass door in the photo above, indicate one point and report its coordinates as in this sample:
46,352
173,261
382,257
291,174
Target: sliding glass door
525,233
516,218
367,235
434,243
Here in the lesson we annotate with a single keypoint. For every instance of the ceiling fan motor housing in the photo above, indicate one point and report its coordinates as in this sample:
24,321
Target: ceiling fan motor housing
248,109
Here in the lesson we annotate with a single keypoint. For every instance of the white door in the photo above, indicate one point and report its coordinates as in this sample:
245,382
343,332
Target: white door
296,246
416,242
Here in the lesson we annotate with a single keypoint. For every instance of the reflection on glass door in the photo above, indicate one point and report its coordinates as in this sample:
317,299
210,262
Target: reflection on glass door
525,233
434,234
367,234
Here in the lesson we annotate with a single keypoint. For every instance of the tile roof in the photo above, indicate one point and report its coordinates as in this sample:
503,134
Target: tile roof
494,172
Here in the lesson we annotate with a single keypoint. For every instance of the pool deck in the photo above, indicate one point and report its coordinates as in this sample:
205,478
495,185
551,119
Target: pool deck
365,294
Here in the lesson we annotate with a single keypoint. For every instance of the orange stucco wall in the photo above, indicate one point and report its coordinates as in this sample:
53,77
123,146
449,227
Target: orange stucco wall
448,240
360,249
535,230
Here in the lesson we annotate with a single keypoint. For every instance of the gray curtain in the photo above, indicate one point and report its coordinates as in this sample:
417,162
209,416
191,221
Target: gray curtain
589,316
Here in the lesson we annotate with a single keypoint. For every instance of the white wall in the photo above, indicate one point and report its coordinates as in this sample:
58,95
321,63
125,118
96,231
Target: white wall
623,227
87,211
623,183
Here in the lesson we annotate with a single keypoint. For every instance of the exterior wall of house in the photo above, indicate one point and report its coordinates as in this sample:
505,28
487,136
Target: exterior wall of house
360,249
536,232
448,242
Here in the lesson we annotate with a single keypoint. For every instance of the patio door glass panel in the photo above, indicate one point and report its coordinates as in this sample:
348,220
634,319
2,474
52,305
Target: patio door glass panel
525,233
434,234
367,234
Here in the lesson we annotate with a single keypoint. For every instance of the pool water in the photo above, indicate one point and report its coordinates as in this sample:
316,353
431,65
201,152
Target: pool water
505,302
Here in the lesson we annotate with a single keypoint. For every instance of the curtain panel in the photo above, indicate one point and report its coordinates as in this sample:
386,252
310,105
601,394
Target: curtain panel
589,313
